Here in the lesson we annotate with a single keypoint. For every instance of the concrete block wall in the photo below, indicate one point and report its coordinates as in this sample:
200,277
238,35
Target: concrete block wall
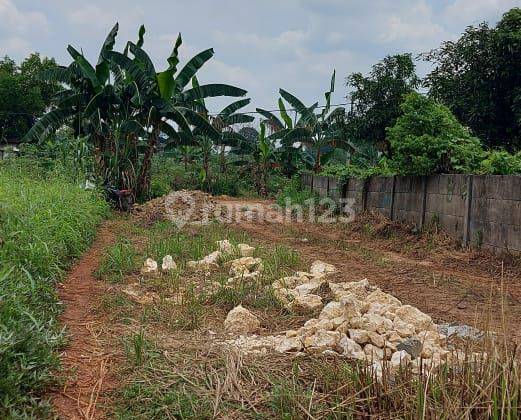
480,211
495,212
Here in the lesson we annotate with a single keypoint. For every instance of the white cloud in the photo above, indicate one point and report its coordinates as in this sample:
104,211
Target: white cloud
414,28
475,11
14,20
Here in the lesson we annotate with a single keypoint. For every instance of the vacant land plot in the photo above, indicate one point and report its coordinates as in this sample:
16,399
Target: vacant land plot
156,346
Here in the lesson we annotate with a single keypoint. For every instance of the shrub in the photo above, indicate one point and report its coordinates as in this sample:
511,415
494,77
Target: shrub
500,162
44,223
295,193
428,139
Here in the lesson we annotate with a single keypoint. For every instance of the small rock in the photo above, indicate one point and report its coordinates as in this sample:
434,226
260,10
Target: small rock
241,321
400,358
149,267
383,298
359,336
373,352
376,339
289,344
246,250
305,304
168,263
332,310
319,267
351,349
322,340
414,316
412,345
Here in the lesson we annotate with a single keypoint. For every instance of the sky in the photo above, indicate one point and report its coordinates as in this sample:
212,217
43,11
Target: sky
260,45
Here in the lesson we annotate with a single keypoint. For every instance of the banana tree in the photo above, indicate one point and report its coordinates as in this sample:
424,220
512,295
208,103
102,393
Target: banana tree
290,156
123,104
317,133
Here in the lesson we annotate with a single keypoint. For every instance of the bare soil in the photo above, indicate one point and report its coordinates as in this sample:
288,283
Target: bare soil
86,363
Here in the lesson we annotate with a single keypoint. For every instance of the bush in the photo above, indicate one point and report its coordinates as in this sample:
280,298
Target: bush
44,223
428,139
295,193
499,162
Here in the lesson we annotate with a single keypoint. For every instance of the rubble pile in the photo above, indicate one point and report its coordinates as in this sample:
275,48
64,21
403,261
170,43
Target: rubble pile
182,207
355,320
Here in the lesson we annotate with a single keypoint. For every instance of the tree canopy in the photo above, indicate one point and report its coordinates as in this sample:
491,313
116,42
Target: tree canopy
377,97
479,78
24,94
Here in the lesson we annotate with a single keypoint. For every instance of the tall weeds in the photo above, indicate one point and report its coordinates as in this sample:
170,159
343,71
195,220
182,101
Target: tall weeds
45,222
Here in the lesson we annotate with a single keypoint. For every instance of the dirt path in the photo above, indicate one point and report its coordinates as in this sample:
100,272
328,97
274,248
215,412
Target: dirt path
450,285
86,364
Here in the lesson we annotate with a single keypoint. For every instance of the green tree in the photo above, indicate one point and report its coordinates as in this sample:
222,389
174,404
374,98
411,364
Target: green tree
427,138
376,99
24,94
479,78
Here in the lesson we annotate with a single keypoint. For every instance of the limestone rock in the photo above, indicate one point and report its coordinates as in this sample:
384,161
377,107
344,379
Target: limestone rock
246,250
241,321
378,296
403,328
400,358
319,268
359,336
376,339
332,310
373,353
289,344
139,296
414,316
149,267
305,304
322,340
351,349
168,263
245,265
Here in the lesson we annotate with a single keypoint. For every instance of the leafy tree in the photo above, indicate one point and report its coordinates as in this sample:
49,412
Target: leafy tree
479,78
428,139
376,100
24,94
123,105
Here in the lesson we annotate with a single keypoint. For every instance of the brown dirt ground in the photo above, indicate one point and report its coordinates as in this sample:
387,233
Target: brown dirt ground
85,361
430,272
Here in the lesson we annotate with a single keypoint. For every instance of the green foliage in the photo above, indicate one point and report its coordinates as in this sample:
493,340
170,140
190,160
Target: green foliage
294,193
428,139
24,94
123,105
44,224
376,99
345,171
500,162
479,78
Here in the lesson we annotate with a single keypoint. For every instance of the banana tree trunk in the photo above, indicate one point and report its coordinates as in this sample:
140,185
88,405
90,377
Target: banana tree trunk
144,178
317,166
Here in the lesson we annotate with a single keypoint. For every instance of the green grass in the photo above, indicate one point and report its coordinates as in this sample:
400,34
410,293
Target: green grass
120,259
44,223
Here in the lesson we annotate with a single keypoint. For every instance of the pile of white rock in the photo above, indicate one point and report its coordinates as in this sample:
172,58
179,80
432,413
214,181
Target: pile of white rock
246,267
150,266
359,322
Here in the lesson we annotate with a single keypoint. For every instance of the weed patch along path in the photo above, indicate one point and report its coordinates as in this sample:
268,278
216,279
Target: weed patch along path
152,346
85,361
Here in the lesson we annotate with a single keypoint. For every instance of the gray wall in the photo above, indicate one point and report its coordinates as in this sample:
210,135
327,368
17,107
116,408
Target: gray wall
480,211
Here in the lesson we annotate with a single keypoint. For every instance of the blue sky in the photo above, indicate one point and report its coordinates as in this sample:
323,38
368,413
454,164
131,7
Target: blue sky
260,45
